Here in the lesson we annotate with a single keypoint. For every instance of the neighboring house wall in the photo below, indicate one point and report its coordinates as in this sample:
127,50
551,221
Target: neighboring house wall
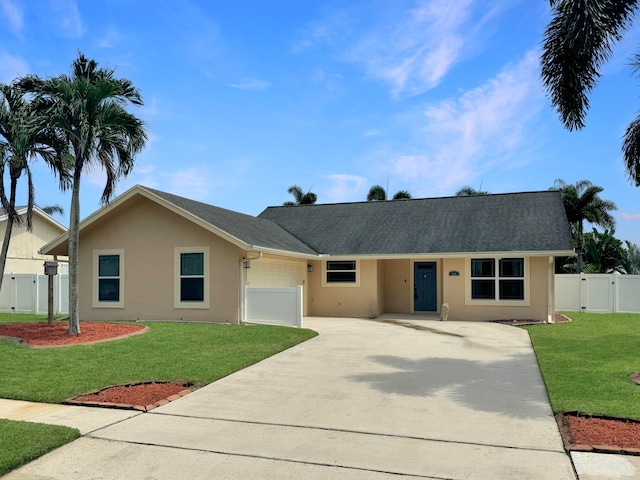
23,256
148,237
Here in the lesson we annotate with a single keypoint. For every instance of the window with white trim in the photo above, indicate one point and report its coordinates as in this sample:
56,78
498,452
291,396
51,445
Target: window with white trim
108,278
191,283
341,271
497,279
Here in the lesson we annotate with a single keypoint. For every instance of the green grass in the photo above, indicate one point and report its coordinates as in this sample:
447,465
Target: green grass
168,351
21,442
586,363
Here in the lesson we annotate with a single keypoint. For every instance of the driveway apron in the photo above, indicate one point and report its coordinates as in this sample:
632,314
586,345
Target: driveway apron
363,400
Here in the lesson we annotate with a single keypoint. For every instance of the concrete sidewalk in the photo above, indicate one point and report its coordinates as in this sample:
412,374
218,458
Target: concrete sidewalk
365,400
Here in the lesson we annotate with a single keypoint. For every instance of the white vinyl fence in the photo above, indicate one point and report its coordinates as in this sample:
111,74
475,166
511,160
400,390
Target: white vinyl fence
600,293
28,293
273,306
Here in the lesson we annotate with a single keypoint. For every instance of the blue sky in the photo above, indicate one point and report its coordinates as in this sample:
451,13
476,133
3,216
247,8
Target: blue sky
245,98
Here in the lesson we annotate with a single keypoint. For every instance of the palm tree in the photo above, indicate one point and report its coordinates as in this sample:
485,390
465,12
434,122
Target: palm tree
51,209
604,253
468,191
22,138
402,194
583,203
87,109
577,42
302,198
376,193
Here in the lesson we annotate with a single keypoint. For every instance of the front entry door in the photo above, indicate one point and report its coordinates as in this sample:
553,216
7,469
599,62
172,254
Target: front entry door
425,293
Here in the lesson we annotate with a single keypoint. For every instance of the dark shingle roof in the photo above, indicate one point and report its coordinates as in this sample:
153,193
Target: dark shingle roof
523,222
253,231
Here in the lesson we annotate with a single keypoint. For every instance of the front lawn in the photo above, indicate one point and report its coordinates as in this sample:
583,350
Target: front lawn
168,351
21,442
586,363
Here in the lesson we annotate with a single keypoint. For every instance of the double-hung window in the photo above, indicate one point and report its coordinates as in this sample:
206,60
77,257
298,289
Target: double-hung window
108,266
191,283
498,279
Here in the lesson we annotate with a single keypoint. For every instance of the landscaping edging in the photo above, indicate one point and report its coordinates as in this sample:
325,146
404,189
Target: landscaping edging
571,446
188,388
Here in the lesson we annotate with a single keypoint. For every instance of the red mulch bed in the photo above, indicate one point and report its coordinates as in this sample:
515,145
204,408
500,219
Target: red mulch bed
42,335
584,432
138,396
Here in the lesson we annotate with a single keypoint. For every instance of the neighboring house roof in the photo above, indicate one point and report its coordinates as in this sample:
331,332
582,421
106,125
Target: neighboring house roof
520,222
532,222
22,210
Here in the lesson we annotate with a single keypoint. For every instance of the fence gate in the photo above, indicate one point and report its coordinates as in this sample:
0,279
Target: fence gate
598,293
27,293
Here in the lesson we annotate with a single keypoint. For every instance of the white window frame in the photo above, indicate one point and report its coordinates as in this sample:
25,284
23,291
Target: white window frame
357,271
177,303
526,302
96,278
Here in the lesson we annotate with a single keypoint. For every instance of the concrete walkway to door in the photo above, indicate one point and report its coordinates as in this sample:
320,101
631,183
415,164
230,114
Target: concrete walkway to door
363,400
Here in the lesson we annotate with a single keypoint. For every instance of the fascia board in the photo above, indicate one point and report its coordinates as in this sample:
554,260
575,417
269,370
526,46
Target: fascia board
404,256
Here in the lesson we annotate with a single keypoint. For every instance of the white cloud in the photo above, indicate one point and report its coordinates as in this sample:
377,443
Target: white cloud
481,130
372,133
111,38
634,217
11,67
343,188
251,84
414,53
67,17
12,11
411,45
193,183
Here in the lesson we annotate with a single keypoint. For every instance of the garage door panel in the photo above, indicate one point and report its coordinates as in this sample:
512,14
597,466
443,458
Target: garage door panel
275,274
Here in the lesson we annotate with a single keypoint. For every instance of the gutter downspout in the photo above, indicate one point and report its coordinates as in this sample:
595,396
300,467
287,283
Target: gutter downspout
245,261
550,291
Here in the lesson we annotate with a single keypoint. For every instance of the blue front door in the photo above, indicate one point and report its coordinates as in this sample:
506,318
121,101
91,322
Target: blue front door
425,293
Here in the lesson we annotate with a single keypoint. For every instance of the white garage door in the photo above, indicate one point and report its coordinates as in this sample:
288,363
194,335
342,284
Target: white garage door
266,273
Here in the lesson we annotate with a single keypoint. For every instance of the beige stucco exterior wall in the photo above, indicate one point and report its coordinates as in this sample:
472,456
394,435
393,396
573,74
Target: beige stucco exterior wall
340,300
398,286
148,235
381,301
23,256
454,288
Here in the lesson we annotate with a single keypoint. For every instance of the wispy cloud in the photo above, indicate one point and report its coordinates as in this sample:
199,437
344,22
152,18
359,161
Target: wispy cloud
11,67
342,187
251,84
634,217
411,45
67,17
481,130
12,12
372,133
111,38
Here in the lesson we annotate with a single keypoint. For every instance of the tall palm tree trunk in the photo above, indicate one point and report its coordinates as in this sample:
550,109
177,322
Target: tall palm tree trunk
8,230
74,234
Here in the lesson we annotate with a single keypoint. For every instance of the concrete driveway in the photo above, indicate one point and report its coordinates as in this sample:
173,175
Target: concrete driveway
363,400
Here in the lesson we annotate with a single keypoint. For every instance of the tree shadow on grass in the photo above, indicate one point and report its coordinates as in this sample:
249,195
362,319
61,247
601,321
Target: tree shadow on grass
511,387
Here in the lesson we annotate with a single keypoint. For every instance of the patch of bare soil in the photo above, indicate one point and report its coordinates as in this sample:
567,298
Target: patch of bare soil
42,335
599,434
